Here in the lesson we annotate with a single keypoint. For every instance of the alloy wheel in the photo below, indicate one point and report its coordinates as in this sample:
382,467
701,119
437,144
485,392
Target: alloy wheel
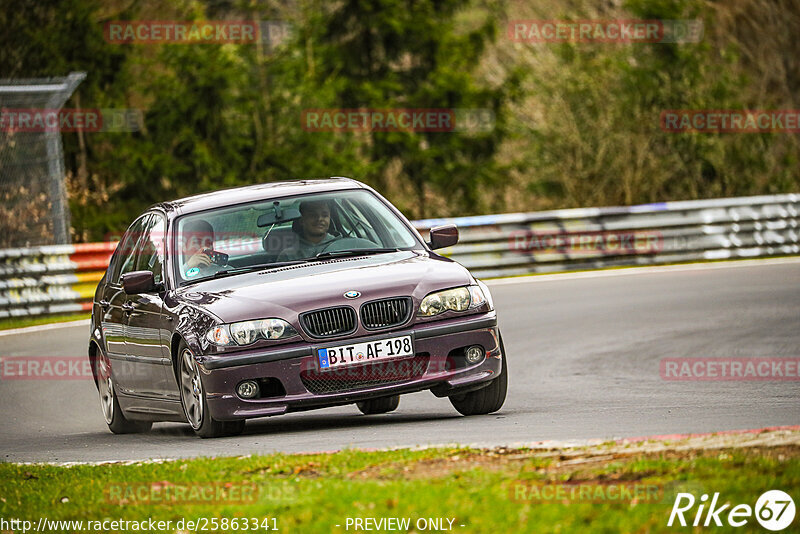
191,390
106,388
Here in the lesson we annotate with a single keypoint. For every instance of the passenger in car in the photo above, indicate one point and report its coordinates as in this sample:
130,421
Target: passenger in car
197,241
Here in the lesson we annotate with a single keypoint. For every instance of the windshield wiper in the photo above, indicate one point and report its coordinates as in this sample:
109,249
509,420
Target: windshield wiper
250,268
353,252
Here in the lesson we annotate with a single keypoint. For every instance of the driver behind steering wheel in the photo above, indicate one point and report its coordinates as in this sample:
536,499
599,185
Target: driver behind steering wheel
313,237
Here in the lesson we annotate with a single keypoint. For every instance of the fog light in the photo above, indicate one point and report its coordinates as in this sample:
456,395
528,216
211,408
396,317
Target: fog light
474,353
248,389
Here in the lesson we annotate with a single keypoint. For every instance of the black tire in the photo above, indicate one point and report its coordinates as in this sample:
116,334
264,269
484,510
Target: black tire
113,414
485,400
381,405
195,403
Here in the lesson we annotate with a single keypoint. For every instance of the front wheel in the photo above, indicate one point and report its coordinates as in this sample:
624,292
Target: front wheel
485,400
115,419
195,404
381,405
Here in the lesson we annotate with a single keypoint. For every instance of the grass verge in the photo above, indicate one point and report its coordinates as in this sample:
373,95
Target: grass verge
476,488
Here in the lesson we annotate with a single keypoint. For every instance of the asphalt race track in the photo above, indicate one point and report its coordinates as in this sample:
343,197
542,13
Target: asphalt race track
583,352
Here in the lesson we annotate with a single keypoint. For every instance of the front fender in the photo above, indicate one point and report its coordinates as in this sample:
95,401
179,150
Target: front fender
191,326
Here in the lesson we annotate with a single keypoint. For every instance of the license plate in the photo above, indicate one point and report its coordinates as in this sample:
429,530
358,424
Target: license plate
368,351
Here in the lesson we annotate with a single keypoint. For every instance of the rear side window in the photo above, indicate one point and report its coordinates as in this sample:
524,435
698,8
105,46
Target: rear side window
150,252
125,255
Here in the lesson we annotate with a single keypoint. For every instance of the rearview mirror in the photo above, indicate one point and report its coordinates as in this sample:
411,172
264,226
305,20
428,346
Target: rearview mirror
277,216
443,236
138,282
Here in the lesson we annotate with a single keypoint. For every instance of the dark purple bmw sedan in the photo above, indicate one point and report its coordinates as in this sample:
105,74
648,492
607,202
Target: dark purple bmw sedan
282,297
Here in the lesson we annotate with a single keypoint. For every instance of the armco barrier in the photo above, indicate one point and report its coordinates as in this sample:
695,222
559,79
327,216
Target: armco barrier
62,278
593,238
51,279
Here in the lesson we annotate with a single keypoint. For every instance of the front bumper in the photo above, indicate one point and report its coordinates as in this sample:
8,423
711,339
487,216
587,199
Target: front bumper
434,344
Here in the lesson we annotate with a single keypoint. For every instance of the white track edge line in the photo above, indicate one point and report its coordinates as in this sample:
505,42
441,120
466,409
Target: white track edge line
42,327
602,273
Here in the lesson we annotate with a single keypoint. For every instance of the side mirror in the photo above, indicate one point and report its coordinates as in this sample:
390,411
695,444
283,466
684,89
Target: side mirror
138,282
443,236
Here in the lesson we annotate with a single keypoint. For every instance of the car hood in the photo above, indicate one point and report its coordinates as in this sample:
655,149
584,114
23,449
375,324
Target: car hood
286,292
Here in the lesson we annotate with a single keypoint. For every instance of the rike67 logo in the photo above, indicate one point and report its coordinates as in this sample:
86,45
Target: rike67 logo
774,510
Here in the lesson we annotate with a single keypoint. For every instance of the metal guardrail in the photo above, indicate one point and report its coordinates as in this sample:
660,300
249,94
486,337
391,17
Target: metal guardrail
51,279
594,238
62,278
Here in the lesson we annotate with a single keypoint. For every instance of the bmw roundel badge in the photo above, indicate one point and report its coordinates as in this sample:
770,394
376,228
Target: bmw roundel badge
352,295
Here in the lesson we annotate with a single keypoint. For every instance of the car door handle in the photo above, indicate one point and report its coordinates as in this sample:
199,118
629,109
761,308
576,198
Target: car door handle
127,307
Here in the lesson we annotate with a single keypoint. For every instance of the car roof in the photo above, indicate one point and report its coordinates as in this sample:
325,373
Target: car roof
251,193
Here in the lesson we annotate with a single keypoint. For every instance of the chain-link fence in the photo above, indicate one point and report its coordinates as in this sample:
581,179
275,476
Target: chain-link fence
32,190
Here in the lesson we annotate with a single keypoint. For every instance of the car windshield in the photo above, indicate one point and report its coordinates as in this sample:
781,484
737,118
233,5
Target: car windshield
316,227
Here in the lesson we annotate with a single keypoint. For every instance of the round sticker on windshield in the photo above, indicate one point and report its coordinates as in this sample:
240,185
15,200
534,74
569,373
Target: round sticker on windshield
194,271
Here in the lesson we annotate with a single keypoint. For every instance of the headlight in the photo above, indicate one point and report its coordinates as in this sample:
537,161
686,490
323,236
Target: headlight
458,299
477,296
247,332
486,293
276,329
218,335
